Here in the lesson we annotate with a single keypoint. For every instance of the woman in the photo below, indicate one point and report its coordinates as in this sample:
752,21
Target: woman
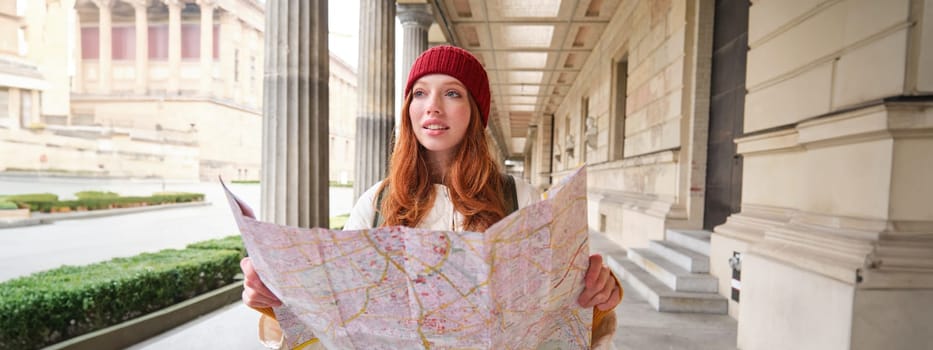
442,175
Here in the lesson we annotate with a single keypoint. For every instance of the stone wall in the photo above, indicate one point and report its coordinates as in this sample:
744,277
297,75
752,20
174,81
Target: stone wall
836,220
97,152
229,137
645,149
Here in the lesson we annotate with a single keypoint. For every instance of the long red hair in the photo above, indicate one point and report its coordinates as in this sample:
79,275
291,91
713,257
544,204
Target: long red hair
473,179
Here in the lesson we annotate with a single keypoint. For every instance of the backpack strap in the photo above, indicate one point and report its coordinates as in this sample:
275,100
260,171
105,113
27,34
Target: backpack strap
509,194
377,219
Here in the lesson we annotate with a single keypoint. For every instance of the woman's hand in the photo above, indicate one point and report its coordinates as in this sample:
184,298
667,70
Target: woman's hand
255,293
601,289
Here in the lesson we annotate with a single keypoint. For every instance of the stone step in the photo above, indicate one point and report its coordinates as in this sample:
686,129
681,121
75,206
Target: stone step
672,275
683,257
660,296
695,240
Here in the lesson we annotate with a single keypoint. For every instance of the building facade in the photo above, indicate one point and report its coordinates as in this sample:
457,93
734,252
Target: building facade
162,88
175,67
343,109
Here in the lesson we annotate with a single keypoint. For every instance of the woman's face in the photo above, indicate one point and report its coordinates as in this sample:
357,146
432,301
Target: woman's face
439,113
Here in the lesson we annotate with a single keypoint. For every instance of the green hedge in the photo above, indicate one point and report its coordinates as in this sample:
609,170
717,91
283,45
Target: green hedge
93,200
55,305
96,194
4,205
32,200
337,222
227,243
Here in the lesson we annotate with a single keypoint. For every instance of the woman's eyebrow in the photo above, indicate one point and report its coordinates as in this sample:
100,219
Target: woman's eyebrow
444,84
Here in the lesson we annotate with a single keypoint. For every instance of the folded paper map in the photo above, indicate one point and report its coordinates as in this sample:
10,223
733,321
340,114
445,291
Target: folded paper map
513,287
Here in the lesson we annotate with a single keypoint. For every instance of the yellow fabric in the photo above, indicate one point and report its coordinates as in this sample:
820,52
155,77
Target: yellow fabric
599,315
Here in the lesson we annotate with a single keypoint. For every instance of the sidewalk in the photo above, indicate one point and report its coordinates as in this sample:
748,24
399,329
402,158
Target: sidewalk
639,325
47,218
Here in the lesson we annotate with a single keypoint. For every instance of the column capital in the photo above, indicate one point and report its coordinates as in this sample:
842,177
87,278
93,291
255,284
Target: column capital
174,3
207,3
415,14
102,4
138,4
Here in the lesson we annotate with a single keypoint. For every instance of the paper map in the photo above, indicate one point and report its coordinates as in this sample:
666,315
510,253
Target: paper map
513,287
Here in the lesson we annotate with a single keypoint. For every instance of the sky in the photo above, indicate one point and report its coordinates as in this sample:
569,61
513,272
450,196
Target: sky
343,18
343,21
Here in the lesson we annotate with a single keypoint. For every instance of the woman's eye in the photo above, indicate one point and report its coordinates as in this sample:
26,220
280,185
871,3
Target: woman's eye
418,93
453,93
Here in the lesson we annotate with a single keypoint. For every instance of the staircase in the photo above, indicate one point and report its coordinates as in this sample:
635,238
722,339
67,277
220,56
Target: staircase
672,275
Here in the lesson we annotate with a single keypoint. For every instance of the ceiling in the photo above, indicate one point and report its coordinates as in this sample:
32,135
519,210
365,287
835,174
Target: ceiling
532,49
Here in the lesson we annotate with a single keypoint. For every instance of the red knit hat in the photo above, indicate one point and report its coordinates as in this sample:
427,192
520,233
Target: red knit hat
458,63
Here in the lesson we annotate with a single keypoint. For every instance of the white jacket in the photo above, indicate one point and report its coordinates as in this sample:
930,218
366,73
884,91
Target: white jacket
442,215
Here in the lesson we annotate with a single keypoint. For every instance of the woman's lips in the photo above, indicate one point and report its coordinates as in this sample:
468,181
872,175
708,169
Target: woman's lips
434,128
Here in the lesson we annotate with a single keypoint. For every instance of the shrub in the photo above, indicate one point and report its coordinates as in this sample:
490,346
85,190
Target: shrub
178,197
96,194
337,222
34,201
234,242
55,305
4,205
93,200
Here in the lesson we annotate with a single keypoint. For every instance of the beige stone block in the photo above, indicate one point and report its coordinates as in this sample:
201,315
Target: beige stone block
813,39
798,98
612,214
592,212
656,138
720,250
773,179
773,293
635,122
892,319
674,49
766,17
677,18
847,180
911,190
865,18
674,76
924,50
639,228
640,97
843,128
638,76
871,72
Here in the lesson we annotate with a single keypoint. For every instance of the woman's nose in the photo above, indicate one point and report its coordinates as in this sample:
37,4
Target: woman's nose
432,105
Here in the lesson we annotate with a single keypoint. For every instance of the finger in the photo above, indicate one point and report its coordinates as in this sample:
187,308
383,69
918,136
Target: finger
601,297
248,271
602,290
252,282
612,302
260,288
256,300
603,278
592,272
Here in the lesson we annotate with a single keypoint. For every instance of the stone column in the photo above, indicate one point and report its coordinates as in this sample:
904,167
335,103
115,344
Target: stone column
295,110
77,85
207,44
142,47
174,44
230,29
376,119
416,20
105,58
